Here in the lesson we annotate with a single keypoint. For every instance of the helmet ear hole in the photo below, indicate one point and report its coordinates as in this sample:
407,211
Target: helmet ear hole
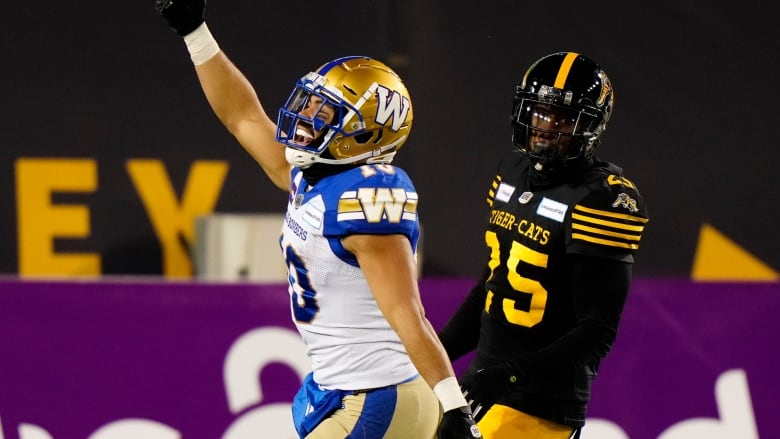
364,137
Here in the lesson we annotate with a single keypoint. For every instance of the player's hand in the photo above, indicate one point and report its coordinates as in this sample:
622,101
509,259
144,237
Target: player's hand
458,424
183,16
490,383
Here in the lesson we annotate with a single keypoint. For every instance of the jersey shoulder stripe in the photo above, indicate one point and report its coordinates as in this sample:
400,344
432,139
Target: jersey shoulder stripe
606,228
493,190
613,215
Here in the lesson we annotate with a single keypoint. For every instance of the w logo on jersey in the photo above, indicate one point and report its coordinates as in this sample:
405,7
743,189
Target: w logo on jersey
382,202
377,204
391,104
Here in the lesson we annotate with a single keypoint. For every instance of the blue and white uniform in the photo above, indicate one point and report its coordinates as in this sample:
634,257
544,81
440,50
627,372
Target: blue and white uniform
363,384
350,343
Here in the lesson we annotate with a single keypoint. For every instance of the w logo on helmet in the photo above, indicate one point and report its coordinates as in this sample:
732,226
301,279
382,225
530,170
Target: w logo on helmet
391,104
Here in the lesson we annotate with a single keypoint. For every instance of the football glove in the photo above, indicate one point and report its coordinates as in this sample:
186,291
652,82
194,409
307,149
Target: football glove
183,16
458,424
491,383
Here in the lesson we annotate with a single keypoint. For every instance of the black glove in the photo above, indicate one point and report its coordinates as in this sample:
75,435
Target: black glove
458,424
491,383
183,16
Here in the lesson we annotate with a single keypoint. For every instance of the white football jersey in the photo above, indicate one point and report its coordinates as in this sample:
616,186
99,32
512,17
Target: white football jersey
350,343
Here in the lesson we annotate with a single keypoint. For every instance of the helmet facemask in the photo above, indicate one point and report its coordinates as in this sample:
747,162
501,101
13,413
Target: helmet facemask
554,135
312,116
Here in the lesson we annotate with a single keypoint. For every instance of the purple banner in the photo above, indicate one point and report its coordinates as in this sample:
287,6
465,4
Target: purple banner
121,359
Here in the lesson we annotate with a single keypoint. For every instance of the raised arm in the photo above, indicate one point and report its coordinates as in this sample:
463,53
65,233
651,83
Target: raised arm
231,96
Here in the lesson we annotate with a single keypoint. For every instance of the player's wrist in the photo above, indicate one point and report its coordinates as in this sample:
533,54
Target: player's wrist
449,394
201,44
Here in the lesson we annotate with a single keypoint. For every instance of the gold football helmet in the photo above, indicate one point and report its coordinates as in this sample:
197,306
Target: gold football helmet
351,110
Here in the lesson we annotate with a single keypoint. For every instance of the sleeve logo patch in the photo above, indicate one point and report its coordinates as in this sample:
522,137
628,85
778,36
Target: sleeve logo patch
378,204
552,209
504,192
623,200
525,197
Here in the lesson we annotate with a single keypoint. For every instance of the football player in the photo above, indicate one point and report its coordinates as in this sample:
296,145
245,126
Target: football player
562,230
349,239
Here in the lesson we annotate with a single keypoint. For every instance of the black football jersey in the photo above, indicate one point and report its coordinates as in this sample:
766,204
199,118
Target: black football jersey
534,237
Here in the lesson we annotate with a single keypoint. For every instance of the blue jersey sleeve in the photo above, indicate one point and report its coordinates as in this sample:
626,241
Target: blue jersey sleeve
374,200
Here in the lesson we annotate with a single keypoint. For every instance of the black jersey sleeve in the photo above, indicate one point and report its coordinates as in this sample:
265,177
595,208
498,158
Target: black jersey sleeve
609,221
461,333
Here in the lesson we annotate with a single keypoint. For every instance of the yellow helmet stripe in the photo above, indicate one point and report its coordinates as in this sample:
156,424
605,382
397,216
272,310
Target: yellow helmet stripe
563,73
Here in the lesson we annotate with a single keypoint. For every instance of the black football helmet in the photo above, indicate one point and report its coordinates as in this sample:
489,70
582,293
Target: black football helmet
561,107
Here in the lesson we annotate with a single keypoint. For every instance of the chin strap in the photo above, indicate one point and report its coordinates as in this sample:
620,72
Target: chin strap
304,159
299,159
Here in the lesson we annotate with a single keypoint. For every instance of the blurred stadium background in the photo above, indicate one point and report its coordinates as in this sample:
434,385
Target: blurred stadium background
123,197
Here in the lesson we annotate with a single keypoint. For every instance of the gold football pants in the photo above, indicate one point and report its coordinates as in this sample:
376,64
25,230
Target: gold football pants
502,422
408,410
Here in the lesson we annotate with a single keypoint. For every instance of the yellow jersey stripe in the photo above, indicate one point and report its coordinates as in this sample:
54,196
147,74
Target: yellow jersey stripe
598,231
604,241
612,224
623,216
352,205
